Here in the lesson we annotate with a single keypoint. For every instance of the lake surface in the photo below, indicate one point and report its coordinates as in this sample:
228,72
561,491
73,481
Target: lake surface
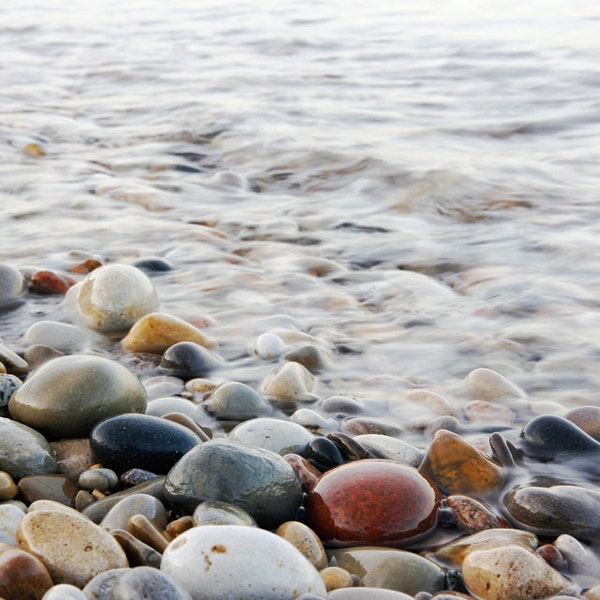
413,185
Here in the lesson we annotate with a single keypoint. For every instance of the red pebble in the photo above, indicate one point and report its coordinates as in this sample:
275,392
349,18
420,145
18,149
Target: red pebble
49,282
372,501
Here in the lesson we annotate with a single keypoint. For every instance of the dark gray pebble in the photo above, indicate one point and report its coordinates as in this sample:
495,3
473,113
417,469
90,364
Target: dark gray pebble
188,360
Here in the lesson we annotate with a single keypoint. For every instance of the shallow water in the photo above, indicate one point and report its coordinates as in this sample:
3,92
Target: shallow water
414,186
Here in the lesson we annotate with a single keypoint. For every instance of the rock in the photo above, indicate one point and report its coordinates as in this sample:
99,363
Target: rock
510,573
148,532
12,361
342,406
85,549
291,382
156,332
24,451
215,512
268,346
309,356
57,487
50,283
64,591
8,385
60,336
391,448
103,480
40,353
582,563
10,517
203,559
163,385
259,481
336,578
113,297
367,593
67,396
313,421
188,360
472,515
554,510
369,425
170,404
458,467
307,473
141,583
22,576
276,435
138,553
140,441
8,488
392,569
322,453
12,284
237,402
135,504
372,502
74,456
153,264
486,384
306,540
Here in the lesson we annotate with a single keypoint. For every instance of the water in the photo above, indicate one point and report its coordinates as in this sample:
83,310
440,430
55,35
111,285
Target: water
416,185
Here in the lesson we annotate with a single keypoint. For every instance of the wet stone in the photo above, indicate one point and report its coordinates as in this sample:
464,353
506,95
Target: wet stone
24,451
8,385
237,402
136,477
188,360
472,515
148,532
372,502
22,576
342,405
391,448
586,418
322,453
291,382
170,404
8,488
313,421
38,354
140,441
50,283
12,284
203,559
216,512
11,361
104,480
259,481
138,554
336,578
136,504
67,396
276,435
367,593
367,425
307,473
582,564
56,487
153,264
10,517
74,456
310,357
306,540
60,336
268,346
486,384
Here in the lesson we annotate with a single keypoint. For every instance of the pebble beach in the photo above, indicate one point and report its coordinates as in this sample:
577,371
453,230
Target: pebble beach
299,303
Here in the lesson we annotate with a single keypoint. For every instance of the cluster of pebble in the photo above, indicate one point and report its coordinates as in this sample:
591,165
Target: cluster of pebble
118,483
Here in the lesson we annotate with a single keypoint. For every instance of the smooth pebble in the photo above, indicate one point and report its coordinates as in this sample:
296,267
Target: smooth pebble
277,435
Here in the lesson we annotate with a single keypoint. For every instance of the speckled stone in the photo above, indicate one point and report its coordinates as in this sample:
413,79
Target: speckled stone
67,396
22,576
135,504
140,583
289,383
457,467
203,559
473,515
306,540
24,451
10,517
215,512
276,435
8,385
60,336
140,441
554,510
236,401
372,502
86,549
259,481
393,569
510,573
156,332
113,297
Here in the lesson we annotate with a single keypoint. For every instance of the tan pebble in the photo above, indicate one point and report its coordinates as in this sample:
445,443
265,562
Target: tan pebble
34,150
188,422
335,578
8,488
177,527
592,593
486,384
22,575
510,573
58,487
290,382
146,531
73,548
199,385
2,368
587,418
306,540
156,332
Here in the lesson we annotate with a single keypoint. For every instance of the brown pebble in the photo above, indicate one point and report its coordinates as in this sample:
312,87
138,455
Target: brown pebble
553,556
22,575
146,531
8,488
50,283
83,499
586,418
74,456
306,540
473,515
336,578
85,267
60,488
308,474
138,553
188,422
178,526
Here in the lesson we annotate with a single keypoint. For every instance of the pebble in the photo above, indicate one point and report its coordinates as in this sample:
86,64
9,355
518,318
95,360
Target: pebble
372,502
322,453
163,385
64,591
171,404
393,569
153,264
138,553
236,401
216,512
369,425
268,346
309,356
67,396
10,517
458,467
367,593
308,473
277,435
140,583
312,420
135,504
291,382
259,481
12,361
22,576
306,540
50,283
156,332
555,510
510,573
582,563
391,448
342,406
12,284
188,360
431,401
24,451
8,488
8,385
140,441
104,480
85,549
113,297
486,384
40,353
147,532
74,456
473,515
336,578
60,336
587,418
57,487
203,559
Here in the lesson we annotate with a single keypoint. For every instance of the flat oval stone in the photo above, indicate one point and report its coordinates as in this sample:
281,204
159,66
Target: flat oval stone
215,512
188,360
203,559
392,569
57,487
510,573
276,435
50,282
372,502
140,441
10,517
22,575
67,396
306,540
155,332
85,549
114,297
554,510
236,401
259,481
135,504
140,583
60,336
24,451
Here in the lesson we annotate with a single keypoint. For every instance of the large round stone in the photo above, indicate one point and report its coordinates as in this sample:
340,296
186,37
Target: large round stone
67,396
372,502
259,481
231,561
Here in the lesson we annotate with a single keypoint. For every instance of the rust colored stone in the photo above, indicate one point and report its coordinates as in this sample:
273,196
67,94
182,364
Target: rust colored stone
22,575
50,282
